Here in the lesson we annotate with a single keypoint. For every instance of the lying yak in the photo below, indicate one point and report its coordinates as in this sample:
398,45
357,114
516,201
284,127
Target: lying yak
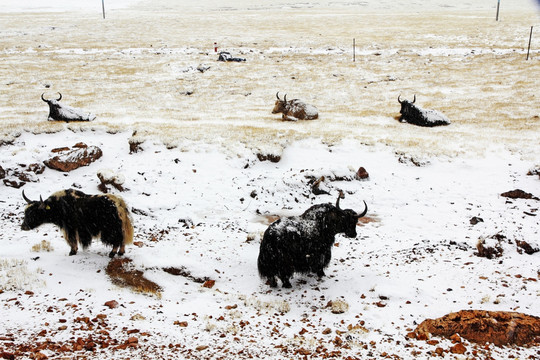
303,244
294,110
414,114
59,112
83,217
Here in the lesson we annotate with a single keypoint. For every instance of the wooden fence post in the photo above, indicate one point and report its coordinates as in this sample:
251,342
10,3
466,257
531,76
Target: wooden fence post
529,48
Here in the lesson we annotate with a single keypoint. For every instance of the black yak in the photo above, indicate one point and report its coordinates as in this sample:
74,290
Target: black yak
83,217
294,109
303,244
414,114
59,112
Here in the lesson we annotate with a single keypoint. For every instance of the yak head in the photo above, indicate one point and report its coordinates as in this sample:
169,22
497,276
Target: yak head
406,105
52,102
281,105
53,105
344,220
37,213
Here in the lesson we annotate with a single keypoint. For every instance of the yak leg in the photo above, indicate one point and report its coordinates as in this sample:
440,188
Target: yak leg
109,238
272,281
122,250
284,277
286,282
71,237
288,118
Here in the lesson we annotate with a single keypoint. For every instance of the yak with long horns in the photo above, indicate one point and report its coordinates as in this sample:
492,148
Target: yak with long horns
83,217
303,244
294,110
60,112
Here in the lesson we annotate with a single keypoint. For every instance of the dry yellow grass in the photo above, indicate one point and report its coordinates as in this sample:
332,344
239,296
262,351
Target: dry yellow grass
133,71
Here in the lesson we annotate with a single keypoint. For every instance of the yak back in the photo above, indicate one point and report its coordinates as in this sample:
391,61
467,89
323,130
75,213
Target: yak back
91,214
416,115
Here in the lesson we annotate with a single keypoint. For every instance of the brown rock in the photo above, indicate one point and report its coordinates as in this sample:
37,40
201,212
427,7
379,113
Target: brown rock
6,355
519,194
14,184
112,304
209,284
269,157
458,349
490,252
362,174
525,246
68,160
479,326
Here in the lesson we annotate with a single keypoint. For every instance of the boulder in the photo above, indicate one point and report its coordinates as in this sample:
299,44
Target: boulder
497,327
362,174
519,194
70,159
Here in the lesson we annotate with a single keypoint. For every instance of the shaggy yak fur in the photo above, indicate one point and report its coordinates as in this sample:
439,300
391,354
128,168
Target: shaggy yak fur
413,114
303,244
294,109
83,217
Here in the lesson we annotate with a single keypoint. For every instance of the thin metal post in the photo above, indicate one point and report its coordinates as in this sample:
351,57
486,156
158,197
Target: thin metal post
103,7
529,48
498,6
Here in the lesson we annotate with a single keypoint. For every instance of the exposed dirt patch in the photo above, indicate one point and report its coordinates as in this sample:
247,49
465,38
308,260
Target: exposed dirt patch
497,327
122,274
182,271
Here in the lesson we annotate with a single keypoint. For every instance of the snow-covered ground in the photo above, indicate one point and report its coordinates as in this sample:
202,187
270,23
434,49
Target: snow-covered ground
201,198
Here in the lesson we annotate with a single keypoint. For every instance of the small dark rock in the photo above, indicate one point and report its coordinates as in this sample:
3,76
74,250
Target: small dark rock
475,220
269,157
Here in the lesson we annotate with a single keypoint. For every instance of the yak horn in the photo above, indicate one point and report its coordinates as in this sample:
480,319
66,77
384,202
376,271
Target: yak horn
277,95
60,98
42,98
399,99
25,198
364,212
285,98
340,196
414,100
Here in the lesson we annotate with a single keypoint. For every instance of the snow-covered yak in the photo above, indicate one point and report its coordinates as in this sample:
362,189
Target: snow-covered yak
414,114
59,112
303,244
83,217
294,110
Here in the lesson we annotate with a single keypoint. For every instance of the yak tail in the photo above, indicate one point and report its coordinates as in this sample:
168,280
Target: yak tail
123,214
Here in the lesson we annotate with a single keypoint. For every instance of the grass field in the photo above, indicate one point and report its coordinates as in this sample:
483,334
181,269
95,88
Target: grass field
135,68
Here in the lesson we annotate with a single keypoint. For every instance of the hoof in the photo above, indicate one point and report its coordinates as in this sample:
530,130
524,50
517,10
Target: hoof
287,285
73,252
111,254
